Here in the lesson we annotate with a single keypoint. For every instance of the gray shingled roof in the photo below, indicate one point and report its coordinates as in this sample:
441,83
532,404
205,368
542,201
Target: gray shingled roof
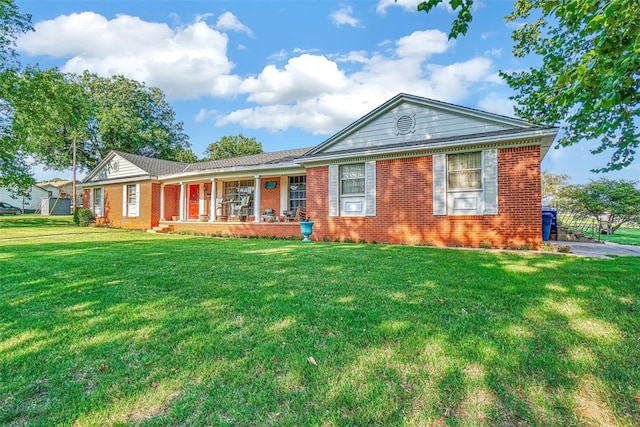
153,166
158,167
251,160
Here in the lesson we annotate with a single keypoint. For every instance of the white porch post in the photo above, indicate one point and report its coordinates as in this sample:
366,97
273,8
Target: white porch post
162,202
214,208
256,200
182,204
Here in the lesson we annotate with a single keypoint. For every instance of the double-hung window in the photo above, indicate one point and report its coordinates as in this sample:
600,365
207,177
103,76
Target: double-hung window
352,189
352,179
297,192
131,200
465,183
97,201
464,171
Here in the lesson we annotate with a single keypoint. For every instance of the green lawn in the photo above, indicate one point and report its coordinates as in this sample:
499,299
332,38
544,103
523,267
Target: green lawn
108,327
625,236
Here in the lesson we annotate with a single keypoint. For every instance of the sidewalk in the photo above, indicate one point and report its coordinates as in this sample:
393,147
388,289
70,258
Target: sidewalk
599,250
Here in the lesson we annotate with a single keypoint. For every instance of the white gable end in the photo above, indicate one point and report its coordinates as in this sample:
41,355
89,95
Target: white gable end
117,167
412,122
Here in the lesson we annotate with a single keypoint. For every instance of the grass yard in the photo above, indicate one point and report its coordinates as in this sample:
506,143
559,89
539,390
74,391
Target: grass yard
109,327
625,236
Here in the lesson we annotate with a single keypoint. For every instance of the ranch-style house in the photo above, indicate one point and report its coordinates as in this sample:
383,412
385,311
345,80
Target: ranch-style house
414,171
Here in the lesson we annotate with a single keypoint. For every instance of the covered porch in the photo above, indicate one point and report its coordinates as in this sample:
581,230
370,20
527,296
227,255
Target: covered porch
233,200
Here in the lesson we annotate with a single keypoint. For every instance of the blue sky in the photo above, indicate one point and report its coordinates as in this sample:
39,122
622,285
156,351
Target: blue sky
289,73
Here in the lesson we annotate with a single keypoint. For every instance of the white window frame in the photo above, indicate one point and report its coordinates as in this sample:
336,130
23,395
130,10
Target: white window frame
347,204
96,209
292,182
451,171
131,208
482,200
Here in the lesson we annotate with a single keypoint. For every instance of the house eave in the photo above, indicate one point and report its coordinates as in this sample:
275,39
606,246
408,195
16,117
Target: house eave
232,172
398,99
542,137
123,180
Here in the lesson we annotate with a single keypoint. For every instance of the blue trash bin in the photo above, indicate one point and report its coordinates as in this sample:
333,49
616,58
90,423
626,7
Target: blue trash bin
547,219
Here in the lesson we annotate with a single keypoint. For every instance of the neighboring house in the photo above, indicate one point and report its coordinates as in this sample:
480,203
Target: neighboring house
413,170
29,202
62,189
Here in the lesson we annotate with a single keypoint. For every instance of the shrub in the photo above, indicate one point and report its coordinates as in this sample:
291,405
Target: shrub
83,217
485,244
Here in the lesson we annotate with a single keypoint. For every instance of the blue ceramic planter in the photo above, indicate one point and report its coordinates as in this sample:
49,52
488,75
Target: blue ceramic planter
306,228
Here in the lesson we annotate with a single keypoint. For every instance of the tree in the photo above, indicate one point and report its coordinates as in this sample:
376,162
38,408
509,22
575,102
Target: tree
610,202
68,121
554,188
14,168
12,24
131,117
589,79
53,112
232,146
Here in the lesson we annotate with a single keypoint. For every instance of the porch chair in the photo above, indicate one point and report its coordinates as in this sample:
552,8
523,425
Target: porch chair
301,214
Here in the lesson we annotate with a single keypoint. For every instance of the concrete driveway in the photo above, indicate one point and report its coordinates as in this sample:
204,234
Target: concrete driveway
599,250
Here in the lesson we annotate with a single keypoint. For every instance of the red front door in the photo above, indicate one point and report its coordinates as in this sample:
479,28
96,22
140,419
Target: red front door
194,201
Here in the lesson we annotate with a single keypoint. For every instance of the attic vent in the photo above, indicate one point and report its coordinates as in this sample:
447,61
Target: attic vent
405,124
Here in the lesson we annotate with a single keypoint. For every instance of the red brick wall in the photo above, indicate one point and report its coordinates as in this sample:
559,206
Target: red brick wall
113,207
244,229
171,201
270,197
404,211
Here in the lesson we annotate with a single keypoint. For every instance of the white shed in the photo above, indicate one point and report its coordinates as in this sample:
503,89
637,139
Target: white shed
29,202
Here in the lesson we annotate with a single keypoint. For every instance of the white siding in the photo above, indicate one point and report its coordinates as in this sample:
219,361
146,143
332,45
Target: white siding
30,202
430,123
118,167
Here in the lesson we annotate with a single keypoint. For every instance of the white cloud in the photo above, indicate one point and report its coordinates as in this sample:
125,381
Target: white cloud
410,5
423,44
145,51
204,114
494,52
297,97
229,22
344,16
512,25
303,89
303,77
360,57
495,103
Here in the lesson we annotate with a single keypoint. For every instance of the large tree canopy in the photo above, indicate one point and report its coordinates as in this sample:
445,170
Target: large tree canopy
589,80
232,146
132,117
14,168
12,24
53,111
